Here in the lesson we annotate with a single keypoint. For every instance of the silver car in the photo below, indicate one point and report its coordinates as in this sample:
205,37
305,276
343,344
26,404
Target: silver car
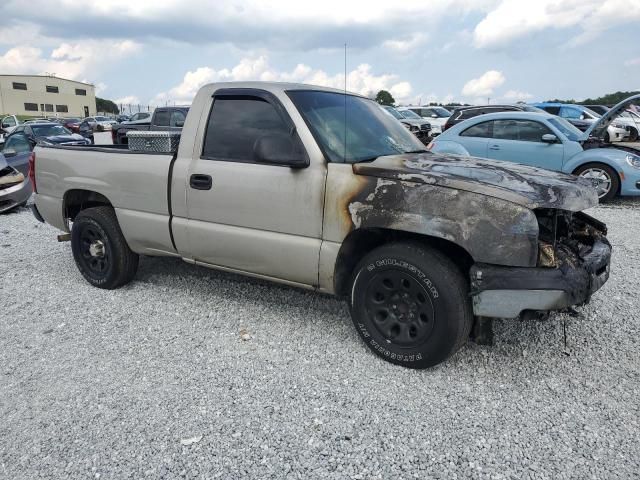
15,185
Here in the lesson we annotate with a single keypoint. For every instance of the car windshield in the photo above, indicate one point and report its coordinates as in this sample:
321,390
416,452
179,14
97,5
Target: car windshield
568,130
102,119
352,129
49,130
394,112
72,120
441,112
410,114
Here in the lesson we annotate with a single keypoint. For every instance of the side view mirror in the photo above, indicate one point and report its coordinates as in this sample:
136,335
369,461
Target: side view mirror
180,123
549,138
279,149
9,152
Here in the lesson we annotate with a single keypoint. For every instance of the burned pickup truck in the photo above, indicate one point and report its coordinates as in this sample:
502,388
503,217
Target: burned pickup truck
318,189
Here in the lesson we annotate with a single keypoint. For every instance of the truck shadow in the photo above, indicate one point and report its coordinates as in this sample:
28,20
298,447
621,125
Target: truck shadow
296,308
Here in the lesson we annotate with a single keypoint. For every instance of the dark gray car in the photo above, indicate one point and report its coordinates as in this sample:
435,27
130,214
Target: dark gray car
15,185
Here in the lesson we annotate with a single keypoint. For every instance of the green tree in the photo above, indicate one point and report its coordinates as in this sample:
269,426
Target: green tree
608,99
106,106
385,98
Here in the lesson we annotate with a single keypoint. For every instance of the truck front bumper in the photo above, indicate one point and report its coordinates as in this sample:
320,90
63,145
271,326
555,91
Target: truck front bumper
505,292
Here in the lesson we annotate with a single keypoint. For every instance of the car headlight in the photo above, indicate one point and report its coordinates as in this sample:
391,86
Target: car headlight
618,125
633,160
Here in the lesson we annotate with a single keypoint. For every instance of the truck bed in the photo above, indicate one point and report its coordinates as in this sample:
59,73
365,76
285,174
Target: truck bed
135,183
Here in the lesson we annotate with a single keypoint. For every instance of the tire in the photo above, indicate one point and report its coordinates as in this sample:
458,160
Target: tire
607,138
600,170
100,250
410,305
633,135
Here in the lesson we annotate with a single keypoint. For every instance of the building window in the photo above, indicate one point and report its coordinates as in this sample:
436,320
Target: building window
48,107
52,89
31,107
19,86
62,109
81,91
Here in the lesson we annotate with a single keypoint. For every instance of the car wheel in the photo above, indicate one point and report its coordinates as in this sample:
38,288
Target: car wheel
410,305
633,135
100,250
604,179
607,138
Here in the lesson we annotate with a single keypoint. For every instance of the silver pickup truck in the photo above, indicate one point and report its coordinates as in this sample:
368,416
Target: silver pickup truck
319,189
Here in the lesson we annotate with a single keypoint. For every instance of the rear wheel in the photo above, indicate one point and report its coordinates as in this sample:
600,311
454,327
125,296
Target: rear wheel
410,305
604,178
633,135
100,250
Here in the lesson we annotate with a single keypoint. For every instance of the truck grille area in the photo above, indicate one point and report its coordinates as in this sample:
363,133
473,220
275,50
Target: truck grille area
566,239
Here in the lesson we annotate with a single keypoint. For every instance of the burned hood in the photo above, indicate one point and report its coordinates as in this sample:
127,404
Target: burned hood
526,186
599,127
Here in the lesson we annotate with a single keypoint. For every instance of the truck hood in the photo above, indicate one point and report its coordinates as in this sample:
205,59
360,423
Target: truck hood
599,127
526,186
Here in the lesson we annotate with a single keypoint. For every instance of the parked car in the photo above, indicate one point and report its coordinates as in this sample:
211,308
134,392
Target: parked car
312,187
7,124
15,185
99,123
616,132
599,109
416,125
463,113
72,124
37,120
122,118
437,116
547,141
138,118
48,133
631,120
163,119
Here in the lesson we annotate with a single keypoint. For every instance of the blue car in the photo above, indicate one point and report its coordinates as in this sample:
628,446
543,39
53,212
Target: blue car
547,141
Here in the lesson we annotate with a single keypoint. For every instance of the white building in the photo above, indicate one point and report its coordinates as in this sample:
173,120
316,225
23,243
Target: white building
46,96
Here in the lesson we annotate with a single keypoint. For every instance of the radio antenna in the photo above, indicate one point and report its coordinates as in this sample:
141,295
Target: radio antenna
345,103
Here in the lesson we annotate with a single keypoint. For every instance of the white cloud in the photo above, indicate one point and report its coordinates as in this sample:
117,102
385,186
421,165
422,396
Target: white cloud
514,19
360,80
406,44
632,62
128,100
483,85
67,60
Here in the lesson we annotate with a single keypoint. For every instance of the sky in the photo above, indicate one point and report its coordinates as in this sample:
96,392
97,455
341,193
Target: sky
160,52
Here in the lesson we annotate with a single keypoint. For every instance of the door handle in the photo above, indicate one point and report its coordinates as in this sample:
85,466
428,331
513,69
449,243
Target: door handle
200,182
494,147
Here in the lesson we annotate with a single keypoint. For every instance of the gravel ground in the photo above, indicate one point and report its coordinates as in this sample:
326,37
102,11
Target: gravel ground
191,373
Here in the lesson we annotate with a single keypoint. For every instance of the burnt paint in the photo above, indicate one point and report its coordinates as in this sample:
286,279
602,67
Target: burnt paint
491,230
527,186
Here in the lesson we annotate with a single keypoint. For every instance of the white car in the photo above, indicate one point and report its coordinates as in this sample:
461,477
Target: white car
437,116
139,118
9,123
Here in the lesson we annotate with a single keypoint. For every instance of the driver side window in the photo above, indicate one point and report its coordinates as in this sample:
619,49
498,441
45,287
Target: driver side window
19,143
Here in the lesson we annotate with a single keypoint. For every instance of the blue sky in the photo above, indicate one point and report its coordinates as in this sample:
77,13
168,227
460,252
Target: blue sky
162,51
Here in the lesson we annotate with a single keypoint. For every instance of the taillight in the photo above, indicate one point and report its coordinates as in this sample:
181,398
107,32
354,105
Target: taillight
32,170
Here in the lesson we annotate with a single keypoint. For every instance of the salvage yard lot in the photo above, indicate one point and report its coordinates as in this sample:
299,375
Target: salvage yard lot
195,373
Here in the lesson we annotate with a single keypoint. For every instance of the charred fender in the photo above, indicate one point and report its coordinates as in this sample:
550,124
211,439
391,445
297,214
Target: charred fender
490,229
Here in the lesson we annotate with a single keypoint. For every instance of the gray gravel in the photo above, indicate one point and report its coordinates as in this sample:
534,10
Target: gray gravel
191,373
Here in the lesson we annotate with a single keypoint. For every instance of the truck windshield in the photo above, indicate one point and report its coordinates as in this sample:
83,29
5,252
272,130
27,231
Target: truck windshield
370,132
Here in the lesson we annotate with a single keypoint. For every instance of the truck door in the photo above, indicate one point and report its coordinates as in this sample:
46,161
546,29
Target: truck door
247,215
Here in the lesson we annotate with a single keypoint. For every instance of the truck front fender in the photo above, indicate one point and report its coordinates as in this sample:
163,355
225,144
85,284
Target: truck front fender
490,229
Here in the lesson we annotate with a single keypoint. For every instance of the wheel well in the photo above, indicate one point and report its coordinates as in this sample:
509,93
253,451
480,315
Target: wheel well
600,164
77,200
362,241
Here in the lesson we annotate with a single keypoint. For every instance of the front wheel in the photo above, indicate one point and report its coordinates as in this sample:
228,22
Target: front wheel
410,305
604,179
100,250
